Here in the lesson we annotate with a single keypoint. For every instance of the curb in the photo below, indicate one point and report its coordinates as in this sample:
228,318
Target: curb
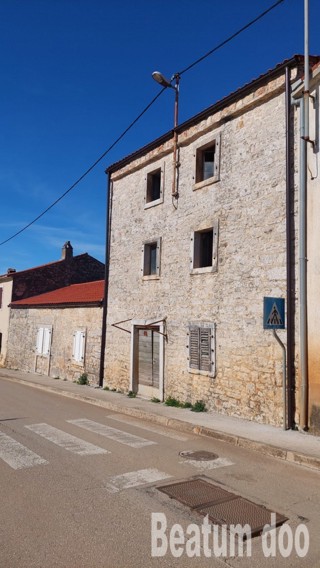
262,447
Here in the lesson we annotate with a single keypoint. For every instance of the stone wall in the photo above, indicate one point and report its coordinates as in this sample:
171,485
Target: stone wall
249,203
6,285
23,328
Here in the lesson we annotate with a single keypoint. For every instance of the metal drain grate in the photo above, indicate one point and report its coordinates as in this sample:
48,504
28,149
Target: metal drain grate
239,511
221,506
196,493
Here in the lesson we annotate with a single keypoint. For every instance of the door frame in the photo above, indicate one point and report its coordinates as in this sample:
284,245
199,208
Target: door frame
137,324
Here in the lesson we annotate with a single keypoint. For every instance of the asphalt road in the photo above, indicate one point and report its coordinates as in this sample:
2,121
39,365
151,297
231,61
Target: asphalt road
79,490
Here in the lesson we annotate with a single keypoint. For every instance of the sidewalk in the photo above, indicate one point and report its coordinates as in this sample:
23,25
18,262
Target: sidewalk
293,446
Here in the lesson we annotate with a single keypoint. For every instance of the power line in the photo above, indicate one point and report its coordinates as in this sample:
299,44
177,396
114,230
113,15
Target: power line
230,38
88,170
216,48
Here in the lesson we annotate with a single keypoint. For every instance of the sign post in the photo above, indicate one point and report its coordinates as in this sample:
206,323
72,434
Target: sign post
274,318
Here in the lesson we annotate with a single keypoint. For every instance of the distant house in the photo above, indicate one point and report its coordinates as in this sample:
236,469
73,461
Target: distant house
17,285
196,244
58,333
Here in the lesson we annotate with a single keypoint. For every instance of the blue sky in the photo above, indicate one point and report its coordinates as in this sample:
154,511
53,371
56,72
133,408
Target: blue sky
76,73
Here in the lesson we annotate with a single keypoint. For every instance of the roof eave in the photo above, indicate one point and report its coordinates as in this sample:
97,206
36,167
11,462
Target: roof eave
229,99
95,303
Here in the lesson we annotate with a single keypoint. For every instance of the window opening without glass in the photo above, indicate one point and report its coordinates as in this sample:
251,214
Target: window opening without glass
203,243
153,186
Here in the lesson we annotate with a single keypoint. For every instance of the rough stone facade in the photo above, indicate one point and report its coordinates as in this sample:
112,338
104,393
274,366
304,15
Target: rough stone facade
22,353
246,200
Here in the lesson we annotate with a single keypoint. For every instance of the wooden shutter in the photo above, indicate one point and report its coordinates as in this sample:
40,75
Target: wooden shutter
205,349
194,341
1,290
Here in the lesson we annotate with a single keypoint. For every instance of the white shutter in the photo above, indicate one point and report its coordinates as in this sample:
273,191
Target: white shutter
46,341
82,345
39,342
79,341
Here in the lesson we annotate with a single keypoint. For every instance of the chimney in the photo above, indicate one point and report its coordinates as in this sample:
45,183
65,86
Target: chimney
67,251
11,271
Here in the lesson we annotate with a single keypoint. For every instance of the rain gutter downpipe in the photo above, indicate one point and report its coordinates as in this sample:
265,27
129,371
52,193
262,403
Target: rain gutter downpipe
304,124
106,282
288,415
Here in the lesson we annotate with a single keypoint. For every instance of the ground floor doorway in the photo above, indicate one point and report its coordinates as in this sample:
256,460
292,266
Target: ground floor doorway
147,360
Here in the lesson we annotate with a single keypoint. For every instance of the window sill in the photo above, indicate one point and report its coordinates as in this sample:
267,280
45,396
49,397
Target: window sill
204,270
205,182
203,373
151,277
153,203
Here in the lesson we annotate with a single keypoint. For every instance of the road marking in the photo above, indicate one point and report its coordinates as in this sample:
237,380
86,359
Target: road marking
16,455
150,428
112,433
134,479
66,441
208,464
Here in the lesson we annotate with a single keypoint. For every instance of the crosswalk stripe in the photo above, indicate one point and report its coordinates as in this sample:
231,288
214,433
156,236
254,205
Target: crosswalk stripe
150,428
112,433
210,464
66,441
16,455
134,479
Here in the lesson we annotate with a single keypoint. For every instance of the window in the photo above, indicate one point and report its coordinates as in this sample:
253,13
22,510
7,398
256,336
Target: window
79,342
153,185
202,348
154,189
151,259
1,292
204,250
43,343
207,163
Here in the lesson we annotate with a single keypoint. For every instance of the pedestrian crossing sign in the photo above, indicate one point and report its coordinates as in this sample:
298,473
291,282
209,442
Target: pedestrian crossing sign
273,313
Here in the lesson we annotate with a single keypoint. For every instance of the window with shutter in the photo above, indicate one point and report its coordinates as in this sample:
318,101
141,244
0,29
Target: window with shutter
43,341
78,351
39,340
202,348
1,293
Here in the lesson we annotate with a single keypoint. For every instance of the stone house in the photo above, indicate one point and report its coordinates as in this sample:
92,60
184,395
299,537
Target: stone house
17,285
189,269
58,333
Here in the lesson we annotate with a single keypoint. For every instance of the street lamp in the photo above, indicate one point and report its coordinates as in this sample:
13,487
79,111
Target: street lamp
159,78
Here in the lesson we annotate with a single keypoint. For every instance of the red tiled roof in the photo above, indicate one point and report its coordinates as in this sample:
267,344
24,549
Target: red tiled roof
76,294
